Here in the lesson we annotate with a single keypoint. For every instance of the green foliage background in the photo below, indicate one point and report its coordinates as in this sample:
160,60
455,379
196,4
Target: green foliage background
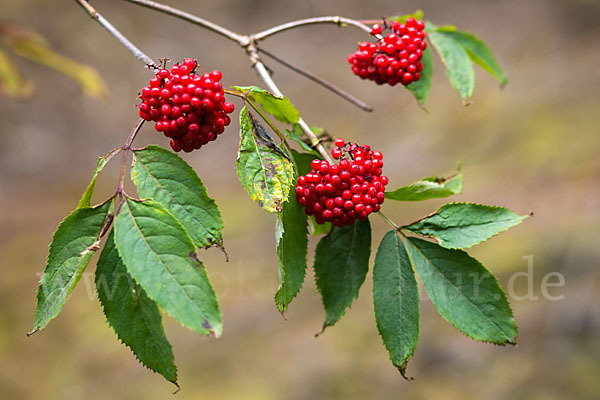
530,146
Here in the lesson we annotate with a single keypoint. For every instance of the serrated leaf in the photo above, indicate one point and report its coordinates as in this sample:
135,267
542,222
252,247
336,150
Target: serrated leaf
292,240
279,107
134,317
464,292
166,178
477,50
420,89
12,82
459,68
402,18
264,170
86,198
462,225
428,188
396,300
341,265
159,254
73,245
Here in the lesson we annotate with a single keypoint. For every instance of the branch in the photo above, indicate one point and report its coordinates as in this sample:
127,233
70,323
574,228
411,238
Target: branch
247,42
340,21
266,77
236,37
126,148
140,55
327,85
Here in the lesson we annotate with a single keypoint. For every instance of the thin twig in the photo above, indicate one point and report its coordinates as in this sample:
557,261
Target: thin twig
247,42
242,40
126,149
272,86
327,85
140,55
340,21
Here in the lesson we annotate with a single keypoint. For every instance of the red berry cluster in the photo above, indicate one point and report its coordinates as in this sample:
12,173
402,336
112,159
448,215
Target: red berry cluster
187,107
394,59
341,193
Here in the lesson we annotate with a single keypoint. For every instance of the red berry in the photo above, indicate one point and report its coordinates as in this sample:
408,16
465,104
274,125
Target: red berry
339,142
155,81
381,61
228,107
187,107
341,193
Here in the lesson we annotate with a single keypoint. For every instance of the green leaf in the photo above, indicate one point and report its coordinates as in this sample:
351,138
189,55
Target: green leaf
428,188
161,257
402,18
302,162
420,89
396,300
166,178
297,135
464,292
459,67
462,225
86,198
279,107
477,50
341,264
73,244
292,241
319,229
263,169
134,317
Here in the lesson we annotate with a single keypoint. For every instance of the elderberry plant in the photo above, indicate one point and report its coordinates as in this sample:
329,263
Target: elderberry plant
149,259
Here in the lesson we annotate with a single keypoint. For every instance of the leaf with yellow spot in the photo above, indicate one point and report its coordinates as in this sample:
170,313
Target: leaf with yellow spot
263,169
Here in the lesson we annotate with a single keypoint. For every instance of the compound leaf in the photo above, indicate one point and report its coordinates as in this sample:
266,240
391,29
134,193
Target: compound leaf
134,317
464,292
428,188
341,265
159,254
279,107
462,225
263,169
459,67
73,244
166,178
396,300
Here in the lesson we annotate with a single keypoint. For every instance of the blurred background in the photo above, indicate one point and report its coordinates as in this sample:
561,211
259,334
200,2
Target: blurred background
531,146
